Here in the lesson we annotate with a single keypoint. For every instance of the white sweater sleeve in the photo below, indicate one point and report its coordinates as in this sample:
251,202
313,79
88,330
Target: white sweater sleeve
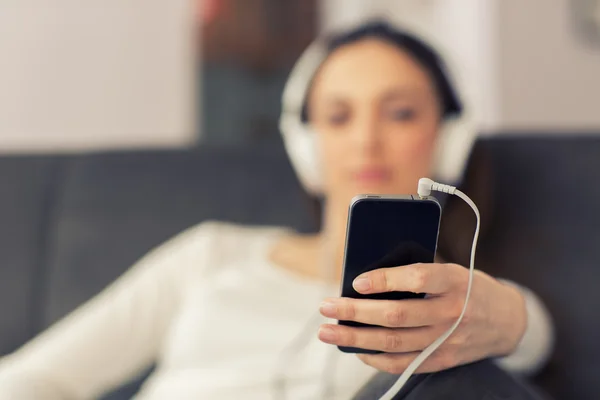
537,342
112,337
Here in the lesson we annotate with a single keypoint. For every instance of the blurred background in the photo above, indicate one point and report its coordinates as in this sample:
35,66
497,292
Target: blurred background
133,74
124,121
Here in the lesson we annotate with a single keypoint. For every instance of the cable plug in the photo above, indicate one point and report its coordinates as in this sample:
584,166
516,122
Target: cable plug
426,186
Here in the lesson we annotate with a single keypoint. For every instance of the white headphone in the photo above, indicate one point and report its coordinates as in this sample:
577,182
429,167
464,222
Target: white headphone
453,145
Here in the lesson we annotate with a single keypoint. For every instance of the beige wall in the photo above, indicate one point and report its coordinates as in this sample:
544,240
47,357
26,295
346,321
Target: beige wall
95,74
547,77
120,73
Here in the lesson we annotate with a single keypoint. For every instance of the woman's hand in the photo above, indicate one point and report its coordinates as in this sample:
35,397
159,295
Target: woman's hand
493,324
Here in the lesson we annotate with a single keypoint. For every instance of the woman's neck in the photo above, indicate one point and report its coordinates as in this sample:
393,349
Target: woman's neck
333,237
318,256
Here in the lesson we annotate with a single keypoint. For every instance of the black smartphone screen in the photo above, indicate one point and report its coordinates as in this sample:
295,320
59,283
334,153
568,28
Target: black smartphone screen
388,232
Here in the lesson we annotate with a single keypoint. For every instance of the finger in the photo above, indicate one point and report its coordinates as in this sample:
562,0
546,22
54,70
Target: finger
408,313
396,363
416,278
380,339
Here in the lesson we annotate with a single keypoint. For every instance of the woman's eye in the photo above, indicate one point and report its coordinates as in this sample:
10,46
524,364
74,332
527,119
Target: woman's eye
338,119
402,114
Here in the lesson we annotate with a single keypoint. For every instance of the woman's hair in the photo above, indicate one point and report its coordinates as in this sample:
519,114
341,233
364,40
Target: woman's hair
421,52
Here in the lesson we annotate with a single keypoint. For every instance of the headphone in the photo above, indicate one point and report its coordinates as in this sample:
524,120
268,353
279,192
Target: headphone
452,148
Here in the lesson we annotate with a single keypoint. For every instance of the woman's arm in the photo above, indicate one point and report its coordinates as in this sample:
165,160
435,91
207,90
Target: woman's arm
537,342
112,337
493,326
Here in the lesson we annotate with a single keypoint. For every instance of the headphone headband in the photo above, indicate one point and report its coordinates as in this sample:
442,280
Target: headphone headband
298,83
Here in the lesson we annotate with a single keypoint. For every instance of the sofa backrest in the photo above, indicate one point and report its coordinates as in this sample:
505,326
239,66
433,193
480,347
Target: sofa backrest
546,235
27,189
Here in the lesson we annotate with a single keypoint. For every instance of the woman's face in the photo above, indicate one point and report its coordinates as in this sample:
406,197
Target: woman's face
376,114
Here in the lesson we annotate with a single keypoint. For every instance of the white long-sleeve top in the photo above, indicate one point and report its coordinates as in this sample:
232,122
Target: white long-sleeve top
215,315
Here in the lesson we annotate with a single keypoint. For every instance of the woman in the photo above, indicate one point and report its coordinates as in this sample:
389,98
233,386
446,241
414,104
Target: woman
227,310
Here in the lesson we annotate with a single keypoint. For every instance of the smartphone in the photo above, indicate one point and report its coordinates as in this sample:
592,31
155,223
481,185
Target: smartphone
384,232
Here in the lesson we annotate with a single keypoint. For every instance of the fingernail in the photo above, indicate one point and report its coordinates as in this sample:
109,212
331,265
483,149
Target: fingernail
327,334
362,284
328,309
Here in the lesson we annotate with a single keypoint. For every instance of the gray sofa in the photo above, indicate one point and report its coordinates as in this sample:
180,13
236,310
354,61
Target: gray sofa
69,225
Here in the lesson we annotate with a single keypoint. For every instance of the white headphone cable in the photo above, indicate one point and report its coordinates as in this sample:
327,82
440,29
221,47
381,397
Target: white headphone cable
425,187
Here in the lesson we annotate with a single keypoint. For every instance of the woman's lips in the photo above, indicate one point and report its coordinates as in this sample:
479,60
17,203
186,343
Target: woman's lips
372,175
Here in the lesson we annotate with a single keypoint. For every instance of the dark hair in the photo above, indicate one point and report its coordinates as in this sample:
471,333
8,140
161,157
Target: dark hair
423,53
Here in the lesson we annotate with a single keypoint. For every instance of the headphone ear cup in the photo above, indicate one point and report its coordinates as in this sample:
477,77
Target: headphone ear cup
299,140
301,145
453,149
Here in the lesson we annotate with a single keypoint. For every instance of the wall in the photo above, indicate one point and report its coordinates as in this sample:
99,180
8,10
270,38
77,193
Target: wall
120,73
549,79
96,74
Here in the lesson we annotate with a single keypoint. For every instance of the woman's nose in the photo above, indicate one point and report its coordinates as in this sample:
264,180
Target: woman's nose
367,134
